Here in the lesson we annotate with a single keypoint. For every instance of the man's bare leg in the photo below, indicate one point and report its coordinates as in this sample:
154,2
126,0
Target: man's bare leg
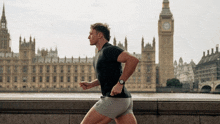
126,119
93,117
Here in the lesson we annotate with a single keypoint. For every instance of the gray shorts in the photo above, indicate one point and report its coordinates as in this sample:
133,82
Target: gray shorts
114,107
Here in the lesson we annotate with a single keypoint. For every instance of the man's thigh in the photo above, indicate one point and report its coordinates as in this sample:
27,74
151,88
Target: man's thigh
126,119
93,117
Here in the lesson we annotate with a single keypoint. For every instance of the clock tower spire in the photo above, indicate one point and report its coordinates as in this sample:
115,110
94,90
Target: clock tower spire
3,18
165,32
4,35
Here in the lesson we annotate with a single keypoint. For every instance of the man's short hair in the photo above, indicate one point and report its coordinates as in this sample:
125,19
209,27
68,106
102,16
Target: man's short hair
104,28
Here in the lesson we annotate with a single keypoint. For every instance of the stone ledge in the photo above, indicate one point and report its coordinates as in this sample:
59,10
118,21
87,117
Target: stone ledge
73,111
82,106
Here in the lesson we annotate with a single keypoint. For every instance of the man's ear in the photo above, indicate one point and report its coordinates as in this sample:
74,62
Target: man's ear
100,35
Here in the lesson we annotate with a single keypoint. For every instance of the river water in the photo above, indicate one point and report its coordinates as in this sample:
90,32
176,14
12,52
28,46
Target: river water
96,96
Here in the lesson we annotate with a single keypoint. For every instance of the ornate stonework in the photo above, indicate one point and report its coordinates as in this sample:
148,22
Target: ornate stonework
165,32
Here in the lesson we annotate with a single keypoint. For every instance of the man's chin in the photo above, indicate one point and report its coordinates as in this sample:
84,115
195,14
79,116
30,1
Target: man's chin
91,44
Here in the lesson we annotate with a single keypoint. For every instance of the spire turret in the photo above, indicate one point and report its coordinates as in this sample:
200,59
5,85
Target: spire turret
114,42
3,18
142,42
126,44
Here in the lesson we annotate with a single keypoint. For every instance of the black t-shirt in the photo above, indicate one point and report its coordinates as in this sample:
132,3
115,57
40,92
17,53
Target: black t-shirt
108,70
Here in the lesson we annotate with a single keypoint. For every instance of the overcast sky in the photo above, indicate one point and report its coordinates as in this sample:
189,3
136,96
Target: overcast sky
65,24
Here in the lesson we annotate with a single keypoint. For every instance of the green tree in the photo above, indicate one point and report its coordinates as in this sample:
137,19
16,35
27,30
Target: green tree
174,83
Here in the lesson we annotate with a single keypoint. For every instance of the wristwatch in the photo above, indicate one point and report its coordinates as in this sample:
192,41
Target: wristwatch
121,82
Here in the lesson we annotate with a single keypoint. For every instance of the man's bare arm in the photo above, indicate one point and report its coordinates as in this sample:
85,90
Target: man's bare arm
86,85
95,82
130,64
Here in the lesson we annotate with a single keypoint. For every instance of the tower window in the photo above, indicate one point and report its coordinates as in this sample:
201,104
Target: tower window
3,25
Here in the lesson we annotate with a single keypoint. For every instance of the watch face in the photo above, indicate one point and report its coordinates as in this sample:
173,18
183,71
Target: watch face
166,25
121,81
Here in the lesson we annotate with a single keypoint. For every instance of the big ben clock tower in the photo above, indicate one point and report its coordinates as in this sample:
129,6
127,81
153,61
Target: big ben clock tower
165,32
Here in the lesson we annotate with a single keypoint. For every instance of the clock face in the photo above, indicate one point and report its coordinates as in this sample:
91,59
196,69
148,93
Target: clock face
166,25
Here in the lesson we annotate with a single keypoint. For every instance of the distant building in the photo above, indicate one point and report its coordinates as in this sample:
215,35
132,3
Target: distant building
184,72
208,68
45,71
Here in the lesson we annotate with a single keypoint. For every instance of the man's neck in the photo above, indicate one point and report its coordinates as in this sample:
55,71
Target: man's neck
100,44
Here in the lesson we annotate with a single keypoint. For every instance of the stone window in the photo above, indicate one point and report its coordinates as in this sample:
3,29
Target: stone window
148,78
69,67
41,79
61,78
48,78
83,78
48,68
61,68
33,79
8,70
25,54
134,78
15,79
68,79
148,56
82,68
1,69
148,68
90,69
76,68
75,78
139,68
90,79
25,79
41,69
34,69
8,78
54,78
55,69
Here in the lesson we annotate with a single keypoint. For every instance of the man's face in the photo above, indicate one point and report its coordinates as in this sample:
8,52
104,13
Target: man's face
93,37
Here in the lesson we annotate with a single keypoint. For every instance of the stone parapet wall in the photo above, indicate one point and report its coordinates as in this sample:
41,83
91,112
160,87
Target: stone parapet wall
73,111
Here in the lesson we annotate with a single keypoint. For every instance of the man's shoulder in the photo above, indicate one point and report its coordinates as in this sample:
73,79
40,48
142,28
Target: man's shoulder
111,47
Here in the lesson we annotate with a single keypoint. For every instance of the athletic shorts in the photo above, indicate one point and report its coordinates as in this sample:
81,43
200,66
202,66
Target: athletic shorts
114,107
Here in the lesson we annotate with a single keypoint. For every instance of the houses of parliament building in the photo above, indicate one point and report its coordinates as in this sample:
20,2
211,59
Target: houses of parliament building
45,71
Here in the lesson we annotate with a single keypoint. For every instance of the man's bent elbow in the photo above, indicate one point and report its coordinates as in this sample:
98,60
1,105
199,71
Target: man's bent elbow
135,60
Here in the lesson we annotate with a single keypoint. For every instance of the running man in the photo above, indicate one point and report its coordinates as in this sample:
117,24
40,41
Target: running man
116,102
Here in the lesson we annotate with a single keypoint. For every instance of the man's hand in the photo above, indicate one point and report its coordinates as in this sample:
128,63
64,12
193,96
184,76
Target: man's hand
116,89
85,85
